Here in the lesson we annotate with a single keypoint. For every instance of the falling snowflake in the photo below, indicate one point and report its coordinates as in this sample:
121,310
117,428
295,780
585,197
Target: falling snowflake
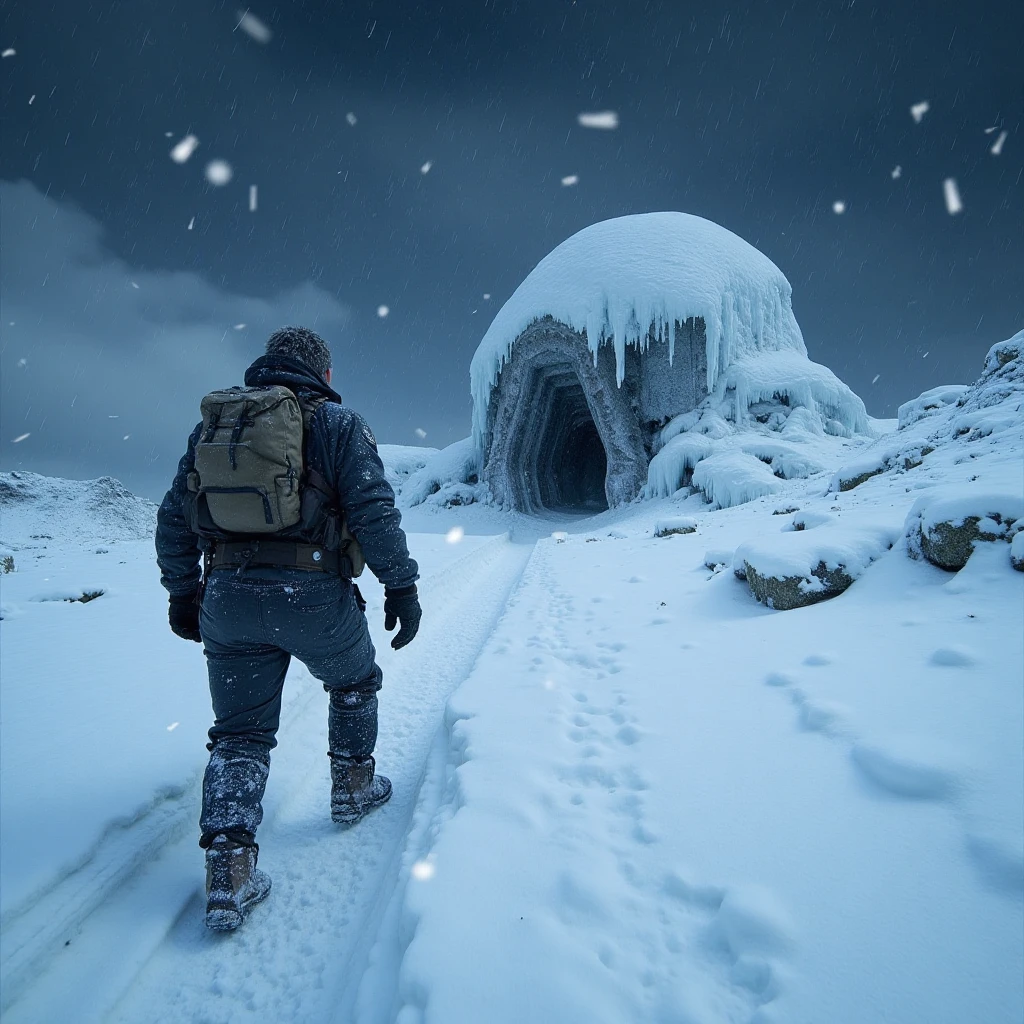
252,198
382,311
896,172
570,179
989,131
135,286
184,149
925,356
126,436
240,327
20,438
9,52
31,99
604,119
997,146
839,206
420,433
487,296
219,172
422,870
918,110
425,168
455,534
952,193
191,223
168,135
874,380
253,27
173,726
23,361
351,118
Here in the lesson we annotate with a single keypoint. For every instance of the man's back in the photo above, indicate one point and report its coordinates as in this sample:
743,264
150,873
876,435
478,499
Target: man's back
257,599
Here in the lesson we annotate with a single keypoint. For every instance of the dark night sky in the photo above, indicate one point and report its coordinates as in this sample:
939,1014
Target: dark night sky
756,116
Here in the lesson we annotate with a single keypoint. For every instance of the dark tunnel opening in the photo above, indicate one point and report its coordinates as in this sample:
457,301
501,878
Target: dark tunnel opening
569,463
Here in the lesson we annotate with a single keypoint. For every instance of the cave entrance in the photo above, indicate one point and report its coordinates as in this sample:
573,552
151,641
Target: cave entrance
570,465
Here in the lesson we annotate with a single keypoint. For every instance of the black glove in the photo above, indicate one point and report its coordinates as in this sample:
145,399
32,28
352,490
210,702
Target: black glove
183,613
403,606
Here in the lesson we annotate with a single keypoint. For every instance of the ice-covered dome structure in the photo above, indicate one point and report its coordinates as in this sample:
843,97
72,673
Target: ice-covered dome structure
620,329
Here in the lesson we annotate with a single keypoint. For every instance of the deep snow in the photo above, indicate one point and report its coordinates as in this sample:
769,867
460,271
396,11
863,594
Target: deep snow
625,791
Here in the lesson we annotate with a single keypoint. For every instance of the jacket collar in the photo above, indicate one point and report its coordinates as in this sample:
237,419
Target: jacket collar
291,373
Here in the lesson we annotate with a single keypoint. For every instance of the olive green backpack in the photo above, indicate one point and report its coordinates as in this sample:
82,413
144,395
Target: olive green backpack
249,471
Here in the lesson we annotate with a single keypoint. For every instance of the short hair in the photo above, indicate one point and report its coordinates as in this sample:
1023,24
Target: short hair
303,344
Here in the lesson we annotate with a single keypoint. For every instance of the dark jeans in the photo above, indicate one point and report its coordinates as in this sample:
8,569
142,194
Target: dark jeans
252,625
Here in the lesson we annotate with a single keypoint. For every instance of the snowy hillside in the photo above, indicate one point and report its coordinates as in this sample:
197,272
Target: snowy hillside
37,508
676,763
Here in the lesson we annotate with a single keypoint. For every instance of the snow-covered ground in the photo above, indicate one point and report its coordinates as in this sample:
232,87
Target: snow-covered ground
624,789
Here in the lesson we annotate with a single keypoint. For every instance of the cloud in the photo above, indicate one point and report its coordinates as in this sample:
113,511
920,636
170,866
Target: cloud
87,338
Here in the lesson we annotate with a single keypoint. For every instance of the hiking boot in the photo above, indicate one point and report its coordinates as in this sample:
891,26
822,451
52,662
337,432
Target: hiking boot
233,882
355,789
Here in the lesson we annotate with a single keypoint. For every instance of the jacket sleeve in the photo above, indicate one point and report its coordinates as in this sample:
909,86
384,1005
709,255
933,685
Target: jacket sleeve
177,547
369,504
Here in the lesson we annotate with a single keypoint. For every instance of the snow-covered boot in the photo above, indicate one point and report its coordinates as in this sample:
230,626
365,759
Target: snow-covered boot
355,788
233,882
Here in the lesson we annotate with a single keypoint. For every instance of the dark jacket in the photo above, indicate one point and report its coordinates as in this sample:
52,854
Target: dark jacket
341,448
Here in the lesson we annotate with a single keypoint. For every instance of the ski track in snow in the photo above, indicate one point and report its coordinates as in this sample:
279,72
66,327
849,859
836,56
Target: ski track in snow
302,949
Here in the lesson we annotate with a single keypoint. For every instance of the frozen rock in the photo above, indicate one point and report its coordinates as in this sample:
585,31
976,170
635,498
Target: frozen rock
800,568
945,530
678,524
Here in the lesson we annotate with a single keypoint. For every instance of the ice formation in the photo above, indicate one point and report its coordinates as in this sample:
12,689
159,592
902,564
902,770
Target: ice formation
632,280
634,331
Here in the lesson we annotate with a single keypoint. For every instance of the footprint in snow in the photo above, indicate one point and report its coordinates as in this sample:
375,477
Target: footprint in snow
778,679
909,767
999,862
952,657
818,659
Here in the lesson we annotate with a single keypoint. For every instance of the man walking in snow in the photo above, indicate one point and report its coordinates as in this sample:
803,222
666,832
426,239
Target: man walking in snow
281,496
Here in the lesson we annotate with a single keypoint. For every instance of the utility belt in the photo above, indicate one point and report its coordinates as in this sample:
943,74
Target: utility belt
280,554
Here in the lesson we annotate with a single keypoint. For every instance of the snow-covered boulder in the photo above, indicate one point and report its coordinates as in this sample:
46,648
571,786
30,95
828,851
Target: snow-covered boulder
717,559
945,530
675,525
929,402
800,568
733,477
1017,551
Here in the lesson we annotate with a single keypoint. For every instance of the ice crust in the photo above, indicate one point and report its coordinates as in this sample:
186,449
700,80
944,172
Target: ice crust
628,280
